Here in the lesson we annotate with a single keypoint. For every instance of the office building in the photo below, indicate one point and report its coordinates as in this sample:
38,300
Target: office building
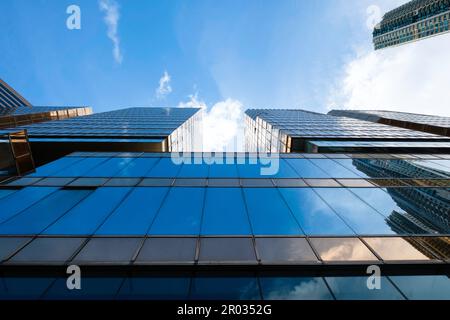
147,226
10,99
415,20
125,130
289,130
419,122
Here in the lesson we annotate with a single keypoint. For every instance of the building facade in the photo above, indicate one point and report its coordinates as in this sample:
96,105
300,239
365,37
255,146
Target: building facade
419,122
415,20
147,226
290,130
10,99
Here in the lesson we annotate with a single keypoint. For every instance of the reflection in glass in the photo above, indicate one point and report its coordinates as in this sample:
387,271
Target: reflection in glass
284,250
158,288
225,288
342,249
294,288
168,249
397,249
223,250
424,287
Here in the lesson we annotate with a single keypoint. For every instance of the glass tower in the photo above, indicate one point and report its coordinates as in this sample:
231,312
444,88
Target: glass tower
412,21
289,130
420,122
10,99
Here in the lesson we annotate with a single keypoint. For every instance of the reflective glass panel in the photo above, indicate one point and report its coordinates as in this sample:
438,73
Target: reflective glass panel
79,168
194,171
225,213
333,169
223,171
342,249
158,288
6,192
313,214
108,250
225,288
424,287
23,288
10,245
109,168
269,215
135,214
354,165
294,288
356,213
87,216
137,168
392,249
168,250
93,288
55,166
164,168
284,250
223,250
306,169
180,213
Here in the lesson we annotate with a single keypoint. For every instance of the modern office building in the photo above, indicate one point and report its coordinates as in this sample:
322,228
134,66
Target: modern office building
125,130
415,20
419,122
148,226
10,99
289,130
15,154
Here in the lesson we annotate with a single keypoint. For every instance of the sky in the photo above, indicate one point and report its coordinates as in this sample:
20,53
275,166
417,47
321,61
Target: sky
224,56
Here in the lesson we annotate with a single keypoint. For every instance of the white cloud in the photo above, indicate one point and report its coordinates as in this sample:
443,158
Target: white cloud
111,18
412,78
223,128
164,86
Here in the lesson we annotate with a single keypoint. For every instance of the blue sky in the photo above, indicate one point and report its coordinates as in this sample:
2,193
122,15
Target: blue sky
263,53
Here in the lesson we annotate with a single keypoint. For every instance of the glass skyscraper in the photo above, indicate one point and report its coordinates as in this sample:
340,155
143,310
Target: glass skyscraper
289,130
420,122
412,21
10,99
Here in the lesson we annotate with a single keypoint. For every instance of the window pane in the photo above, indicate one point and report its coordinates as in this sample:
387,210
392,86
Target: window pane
6,192
86,217
23,288
424,287
224,213
225,288
138,168
333,169
135,214
79,168
39,216
157,288
313,214
173,250
48,250
92,288
342,249
269,215
10,245
108,250
194,171
165,168
355,288
393,249
294,288
306,169
109,168
180,213
21,200
223,171
358,215
227,250
284,250
55,166
355,165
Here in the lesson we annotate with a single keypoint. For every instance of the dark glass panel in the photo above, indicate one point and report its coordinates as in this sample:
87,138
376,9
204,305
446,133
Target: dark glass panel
173,250
227,250
342,249
294,288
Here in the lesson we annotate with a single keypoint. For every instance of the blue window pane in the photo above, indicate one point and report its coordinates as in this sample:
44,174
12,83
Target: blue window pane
194,171
138,168
165,168
109,168
269,215
355,288
85,218
378,199
180,213
21,200
225,288
264,168
313,214
355,165
358,215
38,217
284,170
79,168
135,213
225,213
306,169
294,288
333,169
155,288
6,192
93,288
424,287
55,166
23,288
223,171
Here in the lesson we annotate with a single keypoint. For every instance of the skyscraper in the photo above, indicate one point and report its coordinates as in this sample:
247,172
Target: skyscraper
126,130
412,21
289,130
419,122
10,99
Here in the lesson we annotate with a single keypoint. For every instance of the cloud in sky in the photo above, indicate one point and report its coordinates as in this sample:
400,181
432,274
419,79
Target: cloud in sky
111,10
412,78
223,128
164,86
